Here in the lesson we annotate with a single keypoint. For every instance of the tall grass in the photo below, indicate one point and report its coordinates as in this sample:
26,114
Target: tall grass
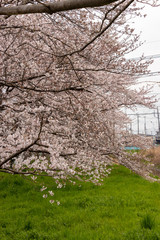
154,154
148,222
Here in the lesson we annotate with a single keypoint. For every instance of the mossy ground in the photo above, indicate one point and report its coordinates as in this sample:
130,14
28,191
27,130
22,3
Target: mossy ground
125,207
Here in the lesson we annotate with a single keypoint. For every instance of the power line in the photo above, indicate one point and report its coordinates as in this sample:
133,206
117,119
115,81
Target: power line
135,114
157,73
145,57
148,74
151,42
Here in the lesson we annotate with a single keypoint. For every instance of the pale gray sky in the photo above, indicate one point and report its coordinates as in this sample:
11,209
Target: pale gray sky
150,34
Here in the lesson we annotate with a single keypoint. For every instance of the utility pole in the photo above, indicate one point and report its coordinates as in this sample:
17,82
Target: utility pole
131,127
158,120
145,129
138,123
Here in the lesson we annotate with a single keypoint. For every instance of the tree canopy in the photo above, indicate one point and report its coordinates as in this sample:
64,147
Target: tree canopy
63,81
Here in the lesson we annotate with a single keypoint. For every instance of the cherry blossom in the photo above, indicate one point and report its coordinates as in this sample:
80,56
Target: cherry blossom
64,79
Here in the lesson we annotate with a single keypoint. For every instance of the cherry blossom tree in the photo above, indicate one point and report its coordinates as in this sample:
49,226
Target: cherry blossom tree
63,81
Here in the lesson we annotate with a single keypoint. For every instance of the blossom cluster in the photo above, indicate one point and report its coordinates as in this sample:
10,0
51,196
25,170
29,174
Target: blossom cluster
60,101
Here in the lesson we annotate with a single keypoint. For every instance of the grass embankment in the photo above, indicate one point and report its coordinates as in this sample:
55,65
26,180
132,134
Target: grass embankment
125,207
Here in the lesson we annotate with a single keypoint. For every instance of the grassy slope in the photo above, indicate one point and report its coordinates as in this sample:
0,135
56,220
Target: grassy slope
124,207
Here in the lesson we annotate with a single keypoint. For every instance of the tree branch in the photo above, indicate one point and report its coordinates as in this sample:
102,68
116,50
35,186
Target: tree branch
102,31
53,7
22,149
12,171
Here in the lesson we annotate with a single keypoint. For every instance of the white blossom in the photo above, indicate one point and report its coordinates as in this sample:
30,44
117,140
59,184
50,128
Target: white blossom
45,195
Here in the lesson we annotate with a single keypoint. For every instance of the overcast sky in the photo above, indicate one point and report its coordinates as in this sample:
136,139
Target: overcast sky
149,27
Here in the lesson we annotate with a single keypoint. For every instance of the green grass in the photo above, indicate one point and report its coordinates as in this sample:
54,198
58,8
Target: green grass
125,207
